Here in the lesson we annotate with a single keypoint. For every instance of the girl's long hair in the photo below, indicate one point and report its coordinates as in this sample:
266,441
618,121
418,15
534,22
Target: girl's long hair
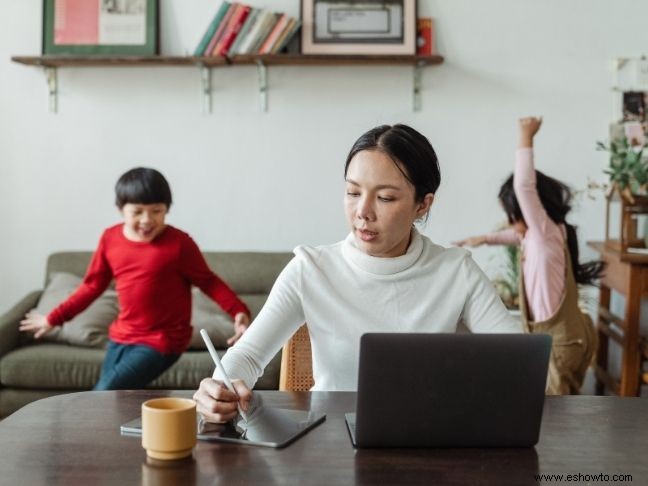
556,199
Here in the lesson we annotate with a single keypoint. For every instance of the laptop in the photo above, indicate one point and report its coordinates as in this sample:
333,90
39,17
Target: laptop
450,390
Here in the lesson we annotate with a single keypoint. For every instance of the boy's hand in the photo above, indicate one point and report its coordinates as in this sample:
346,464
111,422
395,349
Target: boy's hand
529,126
36,323
241,323
473,241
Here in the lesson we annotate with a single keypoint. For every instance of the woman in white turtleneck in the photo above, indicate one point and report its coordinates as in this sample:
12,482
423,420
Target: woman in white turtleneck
384,277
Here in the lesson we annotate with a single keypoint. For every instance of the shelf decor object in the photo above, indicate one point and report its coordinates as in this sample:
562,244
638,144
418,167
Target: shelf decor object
626,225
626,212
375,27
100,27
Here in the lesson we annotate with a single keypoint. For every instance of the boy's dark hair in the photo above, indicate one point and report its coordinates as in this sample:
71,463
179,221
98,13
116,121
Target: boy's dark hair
142,185
410,151
556,199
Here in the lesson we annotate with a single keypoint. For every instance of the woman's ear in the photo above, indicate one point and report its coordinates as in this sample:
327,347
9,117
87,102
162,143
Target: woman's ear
425,205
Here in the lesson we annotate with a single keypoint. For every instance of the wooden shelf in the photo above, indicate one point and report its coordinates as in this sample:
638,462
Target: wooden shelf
269,60
51,63
92,61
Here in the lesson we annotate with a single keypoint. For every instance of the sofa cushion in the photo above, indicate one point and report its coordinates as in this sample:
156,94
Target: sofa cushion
57,366
206,314
51,366
193,366
90,327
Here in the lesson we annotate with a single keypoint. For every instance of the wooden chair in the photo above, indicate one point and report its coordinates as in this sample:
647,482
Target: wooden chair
296,363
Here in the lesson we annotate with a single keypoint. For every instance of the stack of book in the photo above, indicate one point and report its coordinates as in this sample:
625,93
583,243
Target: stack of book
239,29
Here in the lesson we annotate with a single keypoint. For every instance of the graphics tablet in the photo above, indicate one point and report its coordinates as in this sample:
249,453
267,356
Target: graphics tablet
266,426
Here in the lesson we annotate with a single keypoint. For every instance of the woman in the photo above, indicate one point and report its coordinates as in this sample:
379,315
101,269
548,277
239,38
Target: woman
384,277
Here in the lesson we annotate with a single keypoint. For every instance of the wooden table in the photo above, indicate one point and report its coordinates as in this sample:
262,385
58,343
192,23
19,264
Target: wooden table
74,439
629,278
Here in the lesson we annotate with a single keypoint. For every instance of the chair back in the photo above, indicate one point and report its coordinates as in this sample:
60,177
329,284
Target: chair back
296,363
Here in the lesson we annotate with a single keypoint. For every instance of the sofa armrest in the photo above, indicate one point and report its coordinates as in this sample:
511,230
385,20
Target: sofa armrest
9,333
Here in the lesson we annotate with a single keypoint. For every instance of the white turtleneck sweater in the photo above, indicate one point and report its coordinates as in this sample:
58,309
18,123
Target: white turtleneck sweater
342,293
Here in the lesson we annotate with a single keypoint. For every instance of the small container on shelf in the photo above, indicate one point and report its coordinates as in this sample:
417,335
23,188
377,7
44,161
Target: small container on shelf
626,225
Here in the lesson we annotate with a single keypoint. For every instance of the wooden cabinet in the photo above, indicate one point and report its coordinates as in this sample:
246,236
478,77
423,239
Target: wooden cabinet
629,278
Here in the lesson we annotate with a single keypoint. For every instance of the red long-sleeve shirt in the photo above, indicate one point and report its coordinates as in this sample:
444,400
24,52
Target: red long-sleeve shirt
153,282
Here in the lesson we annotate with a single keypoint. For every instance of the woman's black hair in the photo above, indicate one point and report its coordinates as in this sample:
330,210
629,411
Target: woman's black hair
556,199
142,185
410,151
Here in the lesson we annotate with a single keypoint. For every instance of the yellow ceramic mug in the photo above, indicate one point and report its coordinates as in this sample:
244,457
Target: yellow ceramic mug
168,427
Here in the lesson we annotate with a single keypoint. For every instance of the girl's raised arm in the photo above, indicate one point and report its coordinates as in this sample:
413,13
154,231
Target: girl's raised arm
524,177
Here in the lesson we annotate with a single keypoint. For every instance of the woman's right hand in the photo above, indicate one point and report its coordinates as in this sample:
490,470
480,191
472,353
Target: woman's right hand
217,404
36,323
473,241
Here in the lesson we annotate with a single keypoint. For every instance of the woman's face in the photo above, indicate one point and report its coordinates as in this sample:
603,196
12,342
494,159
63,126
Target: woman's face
379,204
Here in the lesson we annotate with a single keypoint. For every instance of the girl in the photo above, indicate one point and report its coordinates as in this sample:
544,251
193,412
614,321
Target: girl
383,277
536,206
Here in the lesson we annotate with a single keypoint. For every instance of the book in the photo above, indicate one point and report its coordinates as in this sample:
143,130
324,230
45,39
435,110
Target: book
253,32
266,28
287,36
424,39
274,34
249,22
211,29
221,28
232,30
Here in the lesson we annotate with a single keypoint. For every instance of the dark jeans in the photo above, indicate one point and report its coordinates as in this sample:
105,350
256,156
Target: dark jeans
131,366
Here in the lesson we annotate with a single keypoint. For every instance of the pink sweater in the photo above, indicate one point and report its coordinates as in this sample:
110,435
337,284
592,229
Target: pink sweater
543,245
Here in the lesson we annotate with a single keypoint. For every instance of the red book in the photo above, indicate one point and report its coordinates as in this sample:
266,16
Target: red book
220,30
424,39
236,22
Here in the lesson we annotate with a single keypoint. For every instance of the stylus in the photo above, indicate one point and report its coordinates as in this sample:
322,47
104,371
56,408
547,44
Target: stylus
221,370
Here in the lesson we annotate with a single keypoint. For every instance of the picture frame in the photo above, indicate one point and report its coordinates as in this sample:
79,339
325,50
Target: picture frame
100,27
371,27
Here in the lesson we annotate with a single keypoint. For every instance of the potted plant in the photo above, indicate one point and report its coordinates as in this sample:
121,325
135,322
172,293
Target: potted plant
626,222
628,169
506,284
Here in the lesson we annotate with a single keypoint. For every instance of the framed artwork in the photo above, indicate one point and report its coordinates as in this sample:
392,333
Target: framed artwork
634,105
358,26
100,27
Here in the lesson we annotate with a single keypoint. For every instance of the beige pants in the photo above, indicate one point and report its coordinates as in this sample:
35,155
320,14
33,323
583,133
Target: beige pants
571,354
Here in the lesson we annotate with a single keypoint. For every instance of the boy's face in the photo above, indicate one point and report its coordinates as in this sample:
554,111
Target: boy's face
143,222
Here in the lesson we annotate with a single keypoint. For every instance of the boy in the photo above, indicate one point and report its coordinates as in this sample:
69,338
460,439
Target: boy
153,265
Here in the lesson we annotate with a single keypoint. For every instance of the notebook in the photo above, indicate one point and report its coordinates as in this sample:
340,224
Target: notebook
450,390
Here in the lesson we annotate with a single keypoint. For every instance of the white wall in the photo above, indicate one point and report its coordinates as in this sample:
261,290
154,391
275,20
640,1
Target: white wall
269,181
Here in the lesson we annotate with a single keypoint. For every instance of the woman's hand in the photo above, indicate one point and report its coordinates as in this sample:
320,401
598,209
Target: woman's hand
529,126
473,241
36,323
217,404
241,323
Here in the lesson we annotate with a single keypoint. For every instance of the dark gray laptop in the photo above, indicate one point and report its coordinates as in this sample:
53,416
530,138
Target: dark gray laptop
450,390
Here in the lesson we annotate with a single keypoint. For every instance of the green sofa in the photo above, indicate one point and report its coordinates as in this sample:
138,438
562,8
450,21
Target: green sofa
31,370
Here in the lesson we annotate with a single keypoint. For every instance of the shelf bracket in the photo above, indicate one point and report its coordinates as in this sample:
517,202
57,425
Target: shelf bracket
263,85
416,93
52,88
206,84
